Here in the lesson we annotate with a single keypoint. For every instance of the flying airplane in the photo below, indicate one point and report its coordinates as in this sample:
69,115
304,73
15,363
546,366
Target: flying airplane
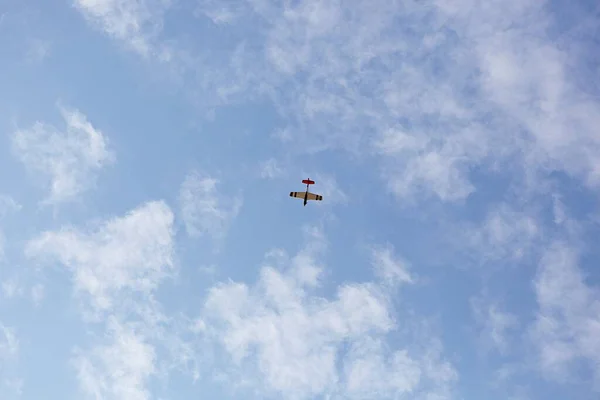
306,195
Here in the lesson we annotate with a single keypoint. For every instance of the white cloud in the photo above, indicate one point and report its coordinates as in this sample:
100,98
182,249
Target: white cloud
454,86
37,293
393,141
416,165
204,210
389,267
9,344
118,369
8,205
70,160
124,254
116,268
369,373
369,75
10,384
135,22
528,77
38,50
504,234
2,244
288,341
495,325
271,169
11,288
220,12
567,325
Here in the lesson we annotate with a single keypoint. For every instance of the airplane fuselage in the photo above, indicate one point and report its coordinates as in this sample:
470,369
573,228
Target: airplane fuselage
306,196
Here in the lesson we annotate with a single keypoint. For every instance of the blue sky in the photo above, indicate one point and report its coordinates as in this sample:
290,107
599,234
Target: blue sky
149,248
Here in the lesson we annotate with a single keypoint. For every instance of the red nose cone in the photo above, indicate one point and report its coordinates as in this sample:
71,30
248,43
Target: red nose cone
308,182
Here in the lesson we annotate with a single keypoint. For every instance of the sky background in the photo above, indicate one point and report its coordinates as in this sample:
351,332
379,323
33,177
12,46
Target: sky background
149,248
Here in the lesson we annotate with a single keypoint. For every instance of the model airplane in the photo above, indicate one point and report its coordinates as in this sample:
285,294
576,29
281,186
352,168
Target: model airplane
306,195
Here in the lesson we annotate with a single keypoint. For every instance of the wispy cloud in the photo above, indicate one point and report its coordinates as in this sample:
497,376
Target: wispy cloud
37,293
11,288
204,210
8,205
16,288
433,90
496,325
38,50
136,23
567,326
525,75
441,170
116,268
9,344
118,368
69,160
287,340
504,234
126,254
389,267
10,384
437,88
270,169
220,13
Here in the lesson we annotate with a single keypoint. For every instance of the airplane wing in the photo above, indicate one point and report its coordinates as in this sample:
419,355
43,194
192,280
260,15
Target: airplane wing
312,196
